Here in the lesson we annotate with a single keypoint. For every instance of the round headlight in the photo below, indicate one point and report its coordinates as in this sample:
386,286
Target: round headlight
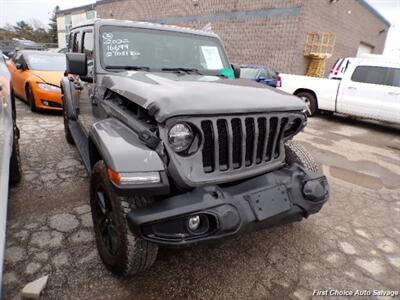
180,137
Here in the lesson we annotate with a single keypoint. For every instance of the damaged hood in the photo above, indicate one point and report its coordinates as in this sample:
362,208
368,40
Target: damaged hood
173,94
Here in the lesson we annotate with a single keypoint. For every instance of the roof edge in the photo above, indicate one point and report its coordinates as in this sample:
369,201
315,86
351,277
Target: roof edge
374,12
72,9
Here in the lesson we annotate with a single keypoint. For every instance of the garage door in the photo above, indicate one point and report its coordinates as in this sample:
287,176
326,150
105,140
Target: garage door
364,48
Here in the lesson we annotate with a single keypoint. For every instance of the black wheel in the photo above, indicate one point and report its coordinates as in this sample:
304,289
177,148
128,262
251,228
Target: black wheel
120,250
15,162
67,132
296,153
310,100
30,97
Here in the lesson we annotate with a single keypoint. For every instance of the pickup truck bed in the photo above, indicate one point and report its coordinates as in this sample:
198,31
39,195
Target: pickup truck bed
324,89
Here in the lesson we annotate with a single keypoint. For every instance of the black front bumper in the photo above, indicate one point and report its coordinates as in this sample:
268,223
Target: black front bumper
283,196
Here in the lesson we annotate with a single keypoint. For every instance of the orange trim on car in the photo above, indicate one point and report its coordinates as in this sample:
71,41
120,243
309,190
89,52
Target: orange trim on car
114,176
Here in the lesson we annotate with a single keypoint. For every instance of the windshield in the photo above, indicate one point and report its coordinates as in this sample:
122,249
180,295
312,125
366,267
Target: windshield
45,62
156,49
249,73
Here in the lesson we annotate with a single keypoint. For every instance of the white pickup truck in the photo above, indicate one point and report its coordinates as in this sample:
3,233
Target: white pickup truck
366,88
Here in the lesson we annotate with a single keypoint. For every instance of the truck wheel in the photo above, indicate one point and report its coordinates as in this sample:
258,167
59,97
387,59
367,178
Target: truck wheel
296,153
31,98
67,132
15,162
310,100
120,250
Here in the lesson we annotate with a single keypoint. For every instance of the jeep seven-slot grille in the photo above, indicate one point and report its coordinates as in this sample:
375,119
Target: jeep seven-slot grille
239,142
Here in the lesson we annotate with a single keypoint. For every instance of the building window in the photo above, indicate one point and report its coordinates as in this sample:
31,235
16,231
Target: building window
90,14
68,20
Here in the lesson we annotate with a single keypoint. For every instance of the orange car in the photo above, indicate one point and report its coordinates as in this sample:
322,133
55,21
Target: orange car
36,77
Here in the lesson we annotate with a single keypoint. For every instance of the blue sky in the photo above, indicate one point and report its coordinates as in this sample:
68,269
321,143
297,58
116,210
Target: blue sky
12,11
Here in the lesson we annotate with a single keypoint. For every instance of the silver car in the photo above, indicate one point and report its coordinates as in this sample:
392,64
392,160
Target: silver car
10,168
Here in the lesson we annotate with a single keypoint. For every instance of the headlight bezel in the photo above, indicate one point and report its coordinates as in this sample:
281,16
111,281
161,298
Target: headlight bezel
181,148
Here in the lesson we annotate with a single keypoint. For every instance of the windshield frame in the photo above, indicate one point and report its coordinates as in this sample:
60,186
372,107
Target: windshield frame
216,39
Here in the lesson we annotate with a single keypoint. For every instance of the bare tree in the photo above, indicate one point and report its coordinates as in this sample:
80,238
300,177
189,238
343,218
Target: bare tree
36,24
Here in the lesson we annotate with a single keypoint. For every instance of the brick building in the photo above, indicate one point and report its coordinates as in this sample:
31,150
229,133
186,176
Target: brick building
267,32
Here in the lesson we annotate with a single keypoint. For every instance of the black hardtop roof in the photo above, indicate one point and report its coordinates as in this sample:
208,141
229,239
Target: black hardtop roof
147,25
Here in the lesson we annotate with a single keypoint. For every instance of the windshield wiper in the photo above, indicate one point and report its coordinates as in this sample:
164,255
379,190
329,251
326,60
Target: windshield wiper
130,68
180,70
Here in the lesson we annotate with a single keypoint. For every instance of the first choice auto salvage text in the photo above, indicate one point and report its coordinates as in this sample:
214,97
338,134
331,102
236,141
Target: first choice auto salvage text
355,293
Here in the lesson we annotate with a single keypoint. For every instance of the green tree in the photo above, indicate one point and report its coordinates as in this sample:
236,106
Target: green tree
23,29
53,36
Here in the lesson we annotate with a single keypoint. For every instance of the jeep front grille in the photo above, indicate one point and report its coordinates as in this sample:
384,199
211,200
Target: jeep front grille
232,147
240,142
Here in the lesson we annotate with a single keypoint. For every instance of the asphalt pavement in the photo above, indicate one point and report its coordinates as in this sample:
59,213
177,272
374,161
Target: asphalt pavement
352,244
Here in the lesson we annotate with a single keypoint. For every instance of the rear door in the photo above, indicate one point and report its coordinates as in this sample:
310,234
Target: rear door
391,102
362,92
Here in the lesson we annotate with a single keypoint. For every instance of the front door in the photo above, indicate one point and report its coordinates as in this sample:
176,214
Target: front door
88,106
362,94
391,102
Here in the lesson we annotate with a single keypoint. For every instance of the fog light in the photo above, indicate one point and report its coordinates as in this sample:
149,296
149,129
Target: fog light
316,190
46,103
194,223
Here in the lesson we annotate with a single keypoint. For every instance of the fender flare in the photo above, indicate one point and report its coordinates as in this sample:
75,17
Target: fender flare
69,100
120,148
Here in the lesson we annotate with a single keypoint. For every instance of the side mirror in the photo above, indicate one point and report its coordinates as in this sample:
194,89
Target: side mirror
76,64
236,70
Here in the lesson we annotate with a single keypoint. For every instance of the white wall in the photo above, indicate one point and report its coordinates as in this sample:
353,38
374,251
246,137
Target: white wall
76,18
60,23
61,40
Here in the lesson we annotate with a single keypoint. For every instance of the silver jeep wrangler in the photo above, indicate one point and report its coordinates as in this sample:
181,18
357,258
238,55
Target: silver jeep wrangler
179,149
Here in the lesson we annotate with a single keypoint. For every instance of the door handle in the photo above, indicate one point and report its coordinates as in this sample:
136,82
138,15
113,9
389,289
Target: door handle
394,93
351,88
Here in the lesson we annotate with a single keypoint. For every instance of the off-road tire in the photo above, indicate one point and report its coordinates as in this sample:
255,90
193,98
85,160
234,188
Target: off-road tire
296,153
15,161
67,132
312,102
133,254
30,97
